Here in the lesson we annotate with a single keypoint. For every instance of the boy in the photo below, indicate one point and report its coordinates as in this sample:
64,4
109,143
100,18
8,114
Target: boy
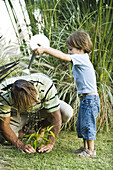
79,45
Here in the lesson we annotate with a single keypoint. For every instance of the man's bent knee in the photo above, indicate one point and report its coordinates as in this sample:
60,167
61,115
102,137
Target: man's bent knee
66,111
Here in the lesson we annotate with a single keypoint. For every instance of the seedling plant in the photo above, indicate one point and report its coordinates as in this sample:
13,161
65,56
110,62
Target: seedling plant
37,139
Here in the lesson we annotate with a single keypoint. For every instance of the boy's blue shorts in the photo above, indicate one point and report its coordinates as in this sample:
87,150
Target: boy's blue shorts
88,112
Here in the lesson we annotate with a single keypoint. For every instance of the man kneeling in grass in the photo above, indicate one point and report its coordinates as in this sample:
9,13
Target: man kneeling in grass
20,98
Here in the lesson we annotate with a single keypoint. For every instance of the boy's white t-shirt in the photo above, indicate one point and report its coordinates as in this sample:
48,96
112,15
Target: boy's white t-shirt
84,74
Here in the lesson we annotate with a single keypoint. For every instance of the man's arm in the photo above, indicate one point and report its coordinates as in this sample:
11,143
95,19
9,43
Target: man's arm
11,136
56,122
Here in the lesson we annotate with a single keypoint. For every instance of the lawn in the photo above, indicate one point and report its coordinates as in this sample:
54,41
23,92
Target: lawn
61,157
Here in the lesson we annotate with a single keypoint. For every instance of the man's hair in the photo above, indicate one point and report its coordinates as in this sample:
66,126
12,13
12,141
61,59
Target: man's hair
80,40
23,95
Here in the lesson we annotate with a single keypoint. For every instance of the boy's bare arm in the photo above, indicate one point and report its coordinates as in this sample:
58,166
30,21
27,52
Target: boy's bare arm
54,52
11,136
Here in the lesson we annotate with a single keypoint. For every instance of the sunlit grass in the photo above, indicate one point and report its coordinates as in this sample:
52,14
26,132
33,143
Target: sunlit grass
61,157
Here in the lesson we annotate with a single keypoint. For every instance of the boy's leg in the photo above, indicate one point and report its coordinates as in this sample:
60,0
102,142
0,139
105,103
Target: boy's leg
85,144
91,105
81,149
90,145
89,150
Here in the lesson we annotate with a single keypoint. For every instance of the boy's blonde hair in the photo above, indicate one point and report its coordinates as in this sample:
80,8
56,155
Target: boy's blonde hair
80,40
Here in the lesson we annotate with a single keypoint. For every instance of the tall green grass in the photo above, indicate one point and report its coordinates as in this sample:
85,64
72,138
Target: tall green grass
97,19
58,20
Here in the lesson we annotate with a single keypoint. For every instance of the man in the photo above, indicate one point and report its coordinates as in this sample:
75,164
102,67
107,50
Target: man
26,96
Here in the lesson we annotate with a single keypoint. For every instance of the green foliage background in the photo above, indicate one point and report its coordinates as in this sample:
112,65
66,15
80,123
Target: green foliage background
58,20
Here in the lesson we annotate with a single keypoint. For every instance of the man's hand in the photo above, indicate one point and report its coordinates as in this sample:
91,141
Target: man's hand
11,136
46,148
27,148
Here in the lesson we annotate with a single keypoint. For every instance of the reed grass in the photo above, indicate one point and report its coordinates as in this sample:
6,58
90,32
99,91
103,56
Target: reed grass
97,19
58,20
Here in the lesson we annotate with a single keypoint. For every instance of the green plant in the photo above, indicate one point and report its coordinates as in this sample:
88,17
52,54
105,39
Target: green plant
36,140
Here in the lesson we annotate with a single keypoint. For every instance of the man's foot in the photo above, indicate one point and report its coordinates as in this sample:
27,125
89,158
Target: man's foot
87,153
81,149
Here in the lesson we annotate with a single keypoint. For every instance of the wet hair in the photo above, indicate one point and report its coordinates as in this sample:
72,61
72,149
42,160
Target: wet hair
80,40
23,95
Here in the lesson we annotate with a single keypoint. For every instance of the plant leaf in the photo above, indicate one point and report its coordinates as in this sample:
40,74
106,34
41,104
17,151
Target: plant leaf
49,128
30,137
51,133
35,144
45,139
